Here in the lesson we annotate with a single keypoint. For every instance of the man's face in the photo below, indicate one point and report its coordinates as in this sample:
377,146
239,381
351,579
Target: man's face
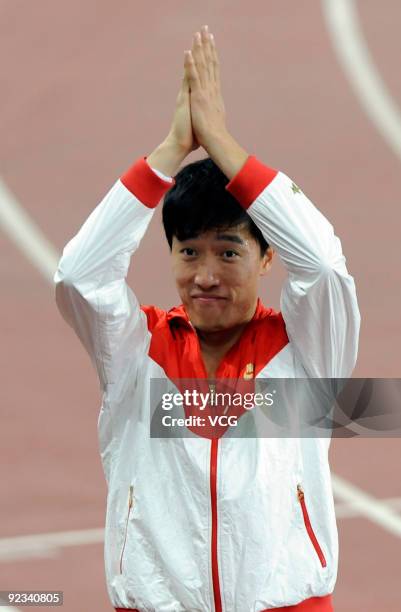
217,276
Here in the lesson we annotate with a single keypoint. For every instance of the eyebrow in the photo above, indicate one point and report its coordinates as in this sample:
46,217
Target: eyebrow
226,237
230,238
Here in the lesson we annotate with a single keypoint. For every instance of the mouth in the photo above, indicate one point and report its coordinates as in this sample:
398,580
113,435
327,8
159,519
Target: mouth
208,299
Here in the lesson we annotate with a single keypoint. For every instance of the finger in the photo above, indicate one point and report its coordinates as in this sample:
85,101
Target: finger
215,60
199,57
184,82
184,89
206,44
191,72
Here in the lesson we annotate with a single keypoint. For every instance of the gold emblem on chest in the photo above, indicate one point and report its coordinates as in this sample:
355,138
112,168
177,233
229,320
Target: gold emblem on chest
248,371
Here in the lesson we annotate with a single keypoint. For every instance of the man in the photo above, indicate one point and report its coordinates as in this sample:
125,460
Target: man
211,523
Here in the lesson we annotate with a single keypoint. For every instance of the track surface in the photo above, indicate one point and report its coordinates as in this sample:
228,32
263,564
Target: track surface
87,89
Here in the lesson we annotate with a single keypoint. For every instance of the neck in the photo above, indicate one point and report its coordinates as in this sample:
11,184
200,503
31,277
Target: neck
222,339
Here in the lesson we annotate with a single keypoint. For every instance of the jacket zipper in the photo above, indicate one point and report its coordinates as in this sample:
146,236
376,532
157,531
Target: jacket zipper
308,525
213,479
213,493
213,497
130,504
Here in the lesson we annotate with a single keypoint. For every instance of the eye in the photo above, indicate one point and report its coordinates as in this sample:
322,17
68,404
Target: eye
188,252
230,254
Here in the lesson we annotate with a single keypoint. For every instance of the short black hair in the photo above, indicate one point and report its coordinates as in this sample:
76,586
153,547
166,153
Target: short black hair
199,202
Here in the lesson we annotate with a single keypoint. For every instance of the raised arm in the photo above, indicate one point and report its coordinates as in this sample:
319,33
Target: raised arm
91,289
318,300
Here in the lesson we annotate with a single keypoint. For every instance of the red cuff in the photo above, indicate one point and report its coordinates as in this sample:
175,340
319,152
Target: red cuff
250,181
145,184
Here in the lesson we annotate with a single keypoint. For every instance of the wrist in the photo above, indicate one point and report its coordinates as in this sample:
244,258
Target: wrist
167,157
226,153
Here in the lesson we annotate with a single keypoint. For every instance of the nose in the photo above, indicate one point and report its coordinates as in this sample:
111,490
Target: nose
206,277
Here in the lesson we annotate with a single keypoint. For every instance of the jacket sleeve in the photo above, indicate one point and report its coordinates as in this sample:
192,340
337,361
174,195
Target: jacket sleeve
91,290
318,300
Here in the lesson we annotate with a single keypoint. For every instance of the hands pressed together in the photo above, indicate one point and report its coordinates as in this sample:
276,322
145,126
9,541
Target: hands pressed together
200,113
199,117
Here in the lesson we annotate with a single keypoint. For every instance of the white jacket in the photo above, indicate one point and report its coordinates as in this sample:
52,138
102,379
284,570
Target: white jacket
193,524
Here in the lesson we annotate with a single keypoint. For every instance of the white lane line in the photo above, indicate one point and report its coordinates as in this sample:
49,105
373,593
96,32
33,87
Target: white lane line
26,235
353,54
350,510
46,544
368,506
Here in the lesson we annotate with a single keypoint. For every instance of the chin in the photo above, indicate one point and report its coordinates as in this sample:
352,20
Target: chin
208,324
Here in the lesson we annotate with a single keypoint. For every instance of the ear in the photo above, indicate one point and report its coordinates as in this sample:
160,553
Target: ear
266,261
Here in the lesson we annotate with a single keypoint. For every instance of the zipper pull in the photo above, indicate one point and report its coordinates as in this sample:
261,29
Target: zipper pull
212,389
130,504
300,492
